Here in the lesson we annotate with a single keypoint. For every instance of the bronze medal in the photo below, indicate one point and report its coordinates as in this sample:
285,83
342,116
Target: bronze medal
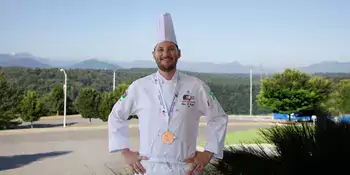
168,137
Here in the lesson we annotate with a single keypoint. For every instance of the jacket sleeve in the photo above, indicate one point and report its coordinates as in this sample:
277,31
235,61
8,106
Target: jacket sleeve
216,120
118,120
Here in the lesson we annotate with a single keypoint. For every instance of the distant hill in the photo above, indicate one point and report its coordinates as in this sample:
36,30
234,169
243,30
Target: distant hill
94,64
203,67
136,64
208,67
21,60
27,60
327,67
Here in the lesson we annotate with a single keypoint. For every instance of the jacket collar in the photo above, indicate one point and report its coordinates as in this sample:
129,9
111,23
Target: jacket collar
172,80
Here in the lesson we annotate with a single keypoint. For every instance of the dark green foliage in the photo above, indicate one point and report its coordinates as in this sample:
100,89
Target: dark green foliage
299,149
46,105
235,98
107,102
109,99
10,97
293,92
344,91
339,103
232,90
44,80
56,102
247,161
88,103
30,107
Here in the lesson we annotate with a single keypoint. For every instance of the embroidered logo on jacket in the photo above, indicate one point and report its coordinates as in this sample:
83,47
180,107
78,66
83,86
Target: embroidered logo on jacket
188,99
212,95
124,95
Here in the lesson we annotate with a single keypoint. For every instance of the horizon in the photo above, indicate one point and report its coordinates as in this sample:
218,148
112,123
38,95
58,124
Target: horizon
270,34
115,62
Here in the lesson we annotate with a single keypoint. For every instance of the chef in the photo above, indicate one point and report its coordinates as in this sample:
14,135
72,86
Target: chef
169,105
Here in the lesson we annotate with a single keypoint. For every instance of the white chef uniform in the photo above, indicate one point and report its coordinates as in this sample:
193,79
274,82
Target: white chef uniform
144,99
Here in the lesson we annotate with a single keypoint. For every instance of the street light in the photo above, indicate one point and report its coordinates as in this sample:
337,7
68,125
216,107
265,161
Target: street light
65,96
251,93
113,80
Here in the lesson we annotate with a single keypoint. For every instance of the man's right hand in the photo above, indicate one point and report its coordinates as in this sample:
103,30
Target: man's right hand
133,160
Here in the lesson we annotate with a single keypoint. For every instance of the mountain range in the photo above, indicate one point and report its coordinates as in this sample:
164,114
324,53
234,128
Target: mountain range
30,61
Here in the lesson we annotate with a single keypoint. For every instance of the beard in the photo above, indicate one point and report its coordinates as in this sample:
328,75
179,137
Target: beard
166,65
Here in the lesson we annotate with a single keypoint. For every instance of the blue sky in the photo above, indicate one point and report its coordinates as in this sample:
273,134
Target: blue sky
268,33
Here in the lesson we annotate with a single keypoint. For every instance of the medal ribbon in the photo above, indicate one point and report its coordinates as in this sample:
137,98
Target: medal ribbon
165,110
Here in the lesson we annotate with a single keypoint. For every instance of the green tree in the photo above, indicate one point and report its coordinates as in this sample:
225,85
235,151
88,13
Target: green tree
295,92
339,102
232,90
106,106
45,102
109,99
88,103
343,91
10,97
56,101
30,107
119,92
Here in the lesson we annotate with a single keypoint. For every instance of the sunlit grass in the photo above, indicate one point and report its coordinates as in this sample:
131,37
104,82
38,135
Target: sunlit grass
251,136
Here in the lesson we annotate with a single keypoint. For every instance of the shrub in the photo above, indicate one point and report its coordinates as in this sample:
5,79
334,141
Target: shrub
296,149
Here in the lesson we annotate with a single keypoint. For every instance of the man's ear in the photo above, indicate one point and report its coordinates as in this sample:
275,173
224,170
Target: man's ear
153,54
178,53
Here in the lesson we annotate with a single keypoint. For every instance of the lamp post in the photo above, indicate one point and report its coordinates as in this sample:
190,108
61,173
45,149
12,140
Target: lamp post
113,80
251,93
65,96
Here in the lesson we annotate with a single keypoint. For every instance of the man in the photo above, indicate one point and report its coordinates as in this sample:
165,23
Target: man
169,105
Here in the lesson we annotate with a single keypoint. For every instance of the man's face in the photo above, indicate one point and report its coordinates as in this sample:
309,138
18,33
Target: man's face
166,55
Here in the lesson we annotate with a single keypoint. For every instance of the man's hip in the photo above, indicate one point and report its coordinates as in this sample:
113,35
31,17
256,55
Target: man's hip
165,168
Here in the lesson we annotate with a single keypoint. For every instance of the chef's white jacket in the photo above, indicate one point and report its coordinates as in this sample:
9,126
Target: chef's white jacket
194,100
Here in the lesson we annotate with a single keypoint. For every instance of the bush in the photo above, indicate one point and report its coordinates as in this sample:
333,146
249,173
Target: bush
297,149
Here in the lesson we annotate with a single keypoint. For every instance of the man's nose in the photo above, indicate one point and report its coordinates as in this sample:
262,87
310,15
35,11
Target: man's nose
165,53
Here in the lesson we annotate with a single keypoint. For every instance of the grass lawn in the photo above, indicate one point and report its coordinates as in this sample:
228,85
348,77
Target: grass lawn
238,137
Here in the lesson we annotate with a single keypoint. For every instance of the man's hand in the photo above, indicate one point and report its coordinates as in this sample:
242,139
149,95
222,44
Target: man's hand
133,160
199,161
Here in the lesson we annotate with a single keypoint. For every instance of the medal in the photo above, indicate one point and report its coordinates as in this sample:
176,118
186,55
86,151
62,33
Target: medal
167,137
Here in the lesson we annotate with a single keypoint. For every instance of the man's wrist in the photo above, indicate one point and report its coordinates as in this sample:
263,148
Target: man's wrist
210,154
125,150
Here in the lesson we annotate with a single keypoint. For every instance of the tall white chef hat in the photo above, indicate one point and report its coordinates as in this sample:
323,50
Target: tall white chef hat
166,30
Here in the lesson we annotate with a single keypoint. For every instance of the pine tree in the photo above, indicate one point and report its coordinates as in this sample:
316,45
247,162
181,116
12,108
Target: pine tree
9,97
30,107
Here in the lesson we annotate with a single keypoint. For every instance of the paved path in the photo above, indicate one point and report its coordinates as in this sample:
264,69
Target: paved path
77,120
76,150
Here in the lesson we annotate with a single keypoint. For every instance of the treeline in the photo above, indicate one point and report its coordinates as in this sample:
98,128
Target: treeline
44,80
90,92
29,106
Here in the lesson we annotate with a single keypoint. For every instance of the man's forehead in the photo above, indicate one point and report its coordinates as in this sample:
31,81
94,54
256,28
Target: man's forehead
166,44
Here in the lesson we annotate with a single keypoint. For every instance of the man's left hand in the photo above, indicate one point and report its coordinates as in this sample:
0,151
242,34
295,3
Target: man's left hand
199,161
